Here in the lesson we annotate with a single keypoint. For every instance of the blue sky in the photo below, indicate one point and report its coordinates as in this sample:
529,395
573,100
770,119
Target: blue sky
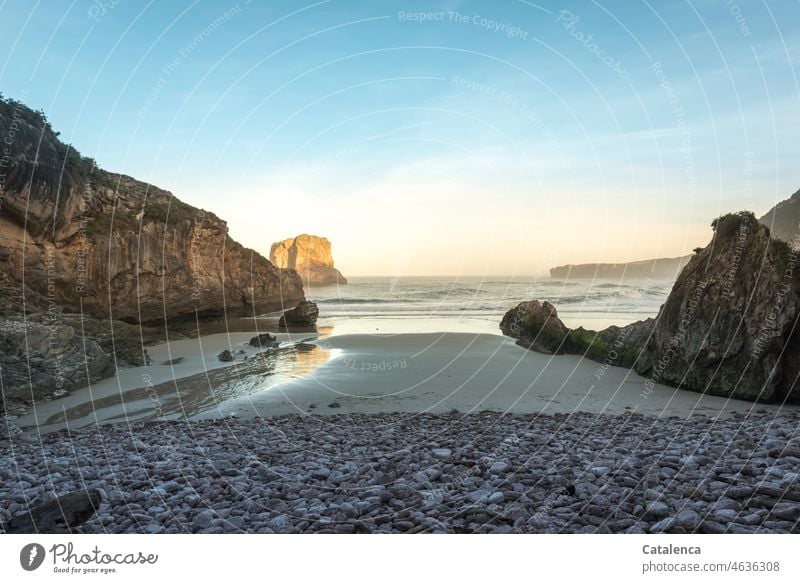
430,137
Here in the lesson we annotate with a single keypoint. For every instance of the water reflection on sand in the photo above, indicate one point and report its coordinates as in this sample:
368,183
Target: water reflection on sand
179,397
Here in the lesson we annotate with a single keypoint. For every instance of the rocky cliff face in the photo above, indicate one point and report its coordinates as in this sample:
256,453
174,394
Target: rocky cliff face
667,268
310,256
85,252
117,247
783,220
729,326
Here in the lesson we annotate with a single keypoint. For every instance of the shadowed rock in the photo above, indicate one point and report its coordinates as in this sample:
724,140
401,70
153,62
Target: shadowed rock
537,326
302,316
265,340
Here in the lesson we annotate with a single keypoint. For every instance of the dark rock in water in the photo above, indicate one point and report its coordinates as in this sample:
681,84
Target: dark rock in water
225,356
263,340
303,315
334,405
729,326
537,326
58,516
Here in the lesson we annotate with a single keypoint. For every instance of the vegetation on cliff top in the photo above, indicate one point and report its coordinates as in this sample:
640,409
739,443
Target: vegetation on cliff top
35,154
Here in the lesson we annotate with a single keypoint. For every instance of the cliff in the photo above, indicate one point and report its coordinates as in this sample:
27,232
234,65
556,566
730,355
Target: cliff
310,256
89,259
116,247
783,220
728,327
667,268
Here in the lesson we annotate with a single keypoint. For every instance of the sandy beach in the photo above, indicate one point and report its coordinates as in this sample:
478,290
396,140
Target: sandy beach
469,373
366,373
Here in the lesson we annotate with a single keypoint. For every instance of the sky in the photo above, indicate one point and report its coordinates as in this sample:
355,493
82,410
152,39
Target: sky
430,138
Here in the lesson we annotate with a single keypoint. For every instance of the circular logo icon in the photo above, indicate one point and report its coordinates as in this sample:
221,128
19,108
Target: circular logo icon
31,556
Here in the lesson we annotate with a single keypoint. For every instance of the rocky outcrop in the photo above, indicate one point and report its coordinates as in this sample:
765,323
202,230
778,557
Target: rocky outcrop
537,326
310,256
783,220
116,247
729,326
44,356
304,315
667,268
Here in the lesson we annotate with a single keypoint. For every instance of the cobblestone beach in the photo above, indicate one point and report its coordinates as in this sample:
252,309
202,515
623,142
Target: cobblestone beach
432,473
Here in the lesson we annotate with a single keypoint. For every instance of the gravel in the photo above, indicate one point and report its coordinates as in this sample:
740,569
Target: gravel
394,472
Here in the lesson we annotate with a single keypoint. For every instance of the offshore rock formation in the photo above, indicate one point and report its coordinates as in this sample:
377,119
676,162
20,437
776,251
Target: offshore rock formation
117,247
310,256
728,327
783,220
668,268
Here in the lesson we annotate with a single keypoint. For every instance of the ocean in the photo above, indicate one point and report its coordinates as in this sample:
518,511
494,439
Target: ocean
477,304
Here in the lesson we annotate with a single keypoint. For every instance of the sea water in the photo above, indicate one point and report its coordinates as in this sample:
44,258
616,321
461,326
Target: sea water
477,304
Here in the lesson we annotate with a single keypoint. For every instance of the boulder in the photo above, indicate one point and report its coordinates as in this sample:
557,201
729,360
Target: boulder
537,326
263,340
225,356
303,315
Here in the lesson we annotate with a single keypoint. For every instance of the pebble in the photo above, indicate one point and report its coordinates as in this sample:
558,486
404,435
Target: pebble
657,510
499,468
498,498
787,511
688,519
